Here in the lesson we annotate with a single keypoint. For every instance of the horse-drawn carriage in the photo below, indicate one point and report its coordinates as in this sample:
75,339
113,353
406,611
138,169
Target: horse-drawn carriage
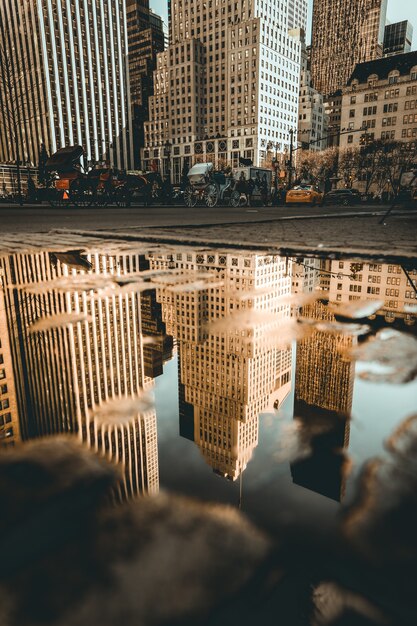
208,187
71,184
212,188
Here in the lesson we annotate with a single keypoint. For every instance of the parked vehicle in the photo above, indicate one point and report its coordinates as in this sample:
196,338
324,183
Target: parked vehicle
304,194
343,196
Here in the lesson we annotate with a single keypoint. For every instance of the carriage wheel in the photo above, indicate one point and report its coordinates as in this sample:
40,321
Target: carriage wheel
82,193
190,198
211,196
235,199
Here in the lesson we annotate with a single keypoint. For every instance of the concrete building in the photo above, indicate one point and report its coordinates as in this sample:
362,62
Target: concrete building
312,116
9,414
146,39
344,34
65,79
227,86
324,382
381,96
229,374
65,373
398,38
375,281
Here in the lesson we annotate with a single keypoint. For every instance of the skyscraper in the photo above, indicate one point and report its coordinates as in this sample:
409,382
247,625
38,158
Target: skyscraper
65,79
62,374
398,38
228,376
344,34
312,118
322,406
227,86
145,39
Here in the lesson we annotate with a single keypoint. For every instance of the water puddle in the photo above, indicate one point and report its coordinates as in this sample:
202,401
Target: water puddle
284,387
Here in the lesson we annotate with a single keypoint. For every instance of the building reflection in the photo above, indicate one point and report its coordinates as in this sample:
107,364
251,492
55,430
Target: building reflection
62,374
376,281
322,406
227,375
324,378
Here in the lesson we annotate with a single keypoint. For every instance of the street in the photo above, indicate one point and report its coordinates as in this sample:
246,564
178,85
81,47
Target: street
42,218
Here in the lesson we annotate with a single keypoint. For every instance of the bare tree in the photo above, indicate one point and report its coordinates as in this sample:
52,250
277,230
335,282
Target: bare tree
316,166
12,81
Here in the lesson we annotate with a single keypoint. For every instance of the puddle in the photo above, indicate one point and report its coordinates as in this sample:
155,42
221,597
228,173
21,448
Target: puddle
266,383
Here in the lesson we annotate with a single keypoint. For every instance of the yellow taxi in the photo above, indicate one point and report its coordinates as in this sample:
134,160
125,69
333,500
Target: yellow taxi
304,194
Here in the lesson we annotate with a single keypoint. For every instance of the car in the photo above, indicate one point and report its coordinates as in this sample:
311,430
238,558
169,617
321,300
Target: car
343,196
304,194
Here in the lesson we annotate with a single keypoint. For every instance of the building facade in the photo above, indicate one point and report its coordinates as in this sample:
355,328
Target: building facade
74,378
146,39
398,38
382,282
227,86
65,80
229,371
344,34
381,97
312,116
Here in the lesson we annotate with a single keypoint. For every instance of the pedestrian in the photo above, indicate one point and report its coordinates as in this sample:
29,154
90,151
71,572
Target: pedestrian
167,190
250,187
264,190
241,185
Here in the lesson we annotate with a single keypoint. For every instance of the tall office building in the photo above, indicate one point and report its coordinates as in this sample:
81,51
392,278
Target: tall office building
398,38
344,34
146,39
312,117
9,414
228,375
322,405
65,79
64,374
227,86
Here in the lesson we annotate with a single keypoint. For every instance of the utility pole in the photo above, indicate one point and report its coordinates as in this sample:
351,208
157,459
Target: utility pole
290,159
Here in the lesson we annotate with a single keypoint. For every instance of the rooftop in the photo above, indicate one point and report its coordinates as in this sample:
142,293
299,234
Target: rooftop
382,67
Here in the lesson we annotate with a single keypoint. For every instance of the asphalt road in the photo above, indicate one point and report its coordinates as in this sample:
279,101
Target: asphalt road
42,218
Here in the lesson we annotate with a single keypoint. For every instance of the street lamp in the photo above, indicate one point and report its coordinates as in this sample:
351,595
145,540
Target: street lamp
167,154
289,162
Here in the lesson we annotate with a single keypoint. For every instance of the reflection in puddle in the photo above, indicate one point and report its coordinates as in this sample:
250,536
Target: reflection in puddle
278,361
84,336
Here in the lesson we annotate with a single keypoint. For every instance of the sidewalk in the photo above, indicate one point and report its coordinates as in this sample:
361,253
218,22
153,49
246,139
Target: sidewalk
339,237
359,236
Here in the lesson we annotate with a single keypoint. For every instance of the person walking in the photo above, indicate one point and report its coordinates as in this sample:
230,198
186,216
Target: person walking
264,190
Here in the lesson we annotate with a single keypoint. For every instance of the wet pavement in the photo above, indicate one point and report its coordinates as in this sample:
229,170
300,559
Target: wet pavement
275,396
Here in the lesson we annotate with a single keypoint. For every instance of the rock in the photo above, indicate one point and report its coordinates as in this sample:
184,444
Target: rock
70,557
